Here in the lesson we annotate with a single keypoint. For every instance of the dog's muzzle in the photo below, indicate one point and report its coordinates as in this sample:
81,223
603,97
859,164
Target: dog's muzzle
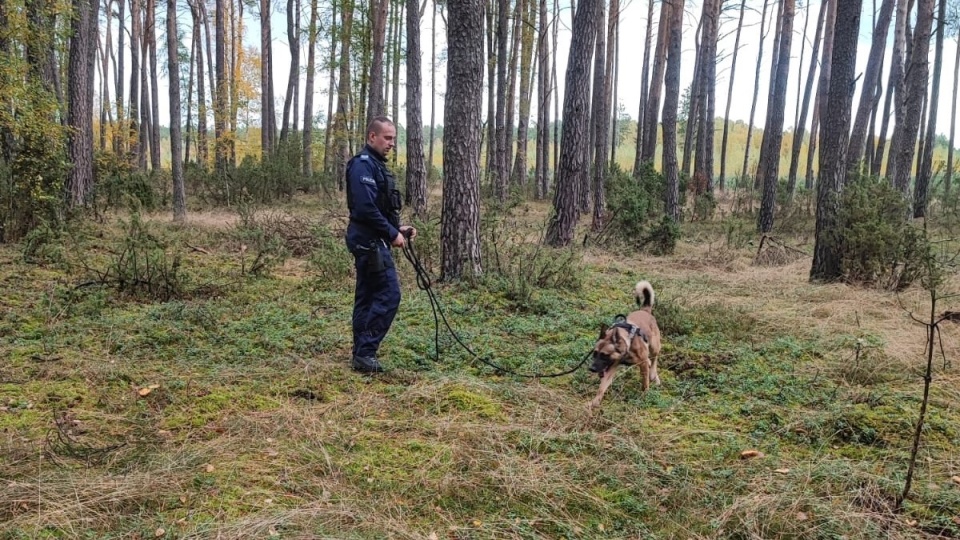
601,363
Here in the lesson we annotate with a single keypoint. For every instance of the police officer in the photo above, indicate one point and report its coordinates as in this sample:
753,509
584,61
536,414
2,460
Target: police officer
375,204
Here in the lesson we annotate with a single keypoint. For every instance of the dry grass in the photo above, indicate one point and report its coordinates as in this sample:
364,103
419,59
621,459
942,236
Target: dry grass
288,443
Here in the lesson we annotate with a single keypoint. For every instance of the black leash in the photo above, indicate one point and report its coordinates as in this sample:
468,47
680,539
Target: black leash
424,283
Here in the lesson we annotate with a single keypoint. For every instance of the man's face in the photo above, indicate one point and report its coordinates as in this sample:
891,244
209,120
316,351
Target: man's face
384,140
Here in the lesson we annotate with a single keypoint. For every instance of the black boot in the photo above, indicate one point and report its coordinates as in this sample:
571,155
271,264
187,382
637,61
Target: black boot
366,364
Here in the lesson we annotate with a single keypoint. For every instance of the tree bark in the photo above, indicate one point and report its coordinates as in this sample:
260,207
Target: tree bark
527,69
176,144
871,78
293,81
500,118
651,115
600,114
220,96
573,165
136,144
512,95
460,221
694,94
416,173
82,63
744,174
544,91
773,129
340,125
154,85
308,94
834,144
671,172
819,105
922,188
329,124
378,16
897,86
953,121
433,88
267,116
726,113
644,89
703,169
915,75
800,129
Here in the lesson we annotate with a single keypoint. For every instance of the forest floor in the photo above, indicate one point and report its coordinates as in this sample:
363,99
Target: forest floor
168,381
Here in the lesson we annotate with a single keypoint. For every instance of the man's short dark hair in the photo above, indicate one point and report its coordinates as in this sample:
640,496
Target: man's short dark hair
376,125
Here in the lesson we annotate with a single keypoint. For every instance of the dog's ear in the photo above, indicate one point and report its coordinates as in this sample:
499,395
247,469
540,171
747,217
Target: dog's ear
603,330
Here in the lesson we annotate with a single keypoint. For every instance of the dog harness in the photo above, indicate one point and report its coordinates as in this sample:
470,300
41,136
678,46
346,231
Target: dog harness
632,331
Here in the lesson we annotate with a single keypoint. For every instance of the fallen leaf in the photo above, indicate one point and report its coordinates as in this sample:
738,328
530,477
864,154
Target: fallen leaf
273,532
268,501
956,480
911,523
601,527
159,532
477,523
209,468
748,454
183,499
144,392
802,516
433,536
782,471
956,519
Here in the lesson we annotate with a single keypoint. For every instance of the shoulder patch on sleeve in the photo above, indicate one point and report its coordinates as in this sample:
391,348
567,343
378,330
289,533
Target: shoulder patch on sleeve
368,180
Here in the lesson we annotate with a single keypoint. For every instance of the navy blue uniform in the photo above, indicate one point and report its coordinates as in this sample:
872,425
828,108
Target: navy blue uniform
375,205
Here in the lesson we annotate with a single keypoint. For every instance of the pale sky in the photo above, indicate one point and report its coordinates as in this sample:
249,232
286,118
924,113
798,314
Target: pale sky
632,29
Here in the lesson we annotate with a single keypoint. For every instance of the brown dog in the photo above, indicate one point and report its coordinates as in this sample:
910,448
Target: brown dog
635,341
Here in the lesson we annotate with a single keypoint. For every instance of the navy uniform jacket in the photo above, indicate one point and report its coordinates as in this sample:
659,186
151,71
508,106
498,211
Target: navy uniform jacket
373,199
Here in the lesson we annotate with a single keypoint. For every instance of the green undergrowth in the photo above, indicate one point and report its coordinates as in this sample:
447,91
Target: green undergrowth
229,410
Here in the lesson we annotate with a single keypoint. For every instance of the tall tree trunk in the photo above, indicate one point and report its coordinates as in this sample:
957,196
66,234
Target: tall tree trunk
573,164
202,146
154,86
527,67
556,91
187,139
136,144
340,124
378,16
332,65
703,170
651,115
916,75
119,137
176,146
220,97
871,78
146,113
800,129
395,101
106,45
833,147
433,88
293,36
897,85
613,74
953,121
460,221
671,172
512,93
307,167
726,113
83,57
416,173
644,89
820,102
922,189
744,171
599,116
773,129
544,91
694,95
500,129
491,134
267,115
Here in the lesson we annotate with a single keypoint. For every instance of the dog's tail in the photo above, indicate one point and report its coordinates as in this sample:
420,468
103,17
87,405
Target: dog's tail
644,293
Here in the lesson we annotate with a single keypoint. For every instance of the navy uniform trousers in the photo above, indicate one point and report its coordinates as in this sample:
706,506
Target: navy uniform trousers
377,297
